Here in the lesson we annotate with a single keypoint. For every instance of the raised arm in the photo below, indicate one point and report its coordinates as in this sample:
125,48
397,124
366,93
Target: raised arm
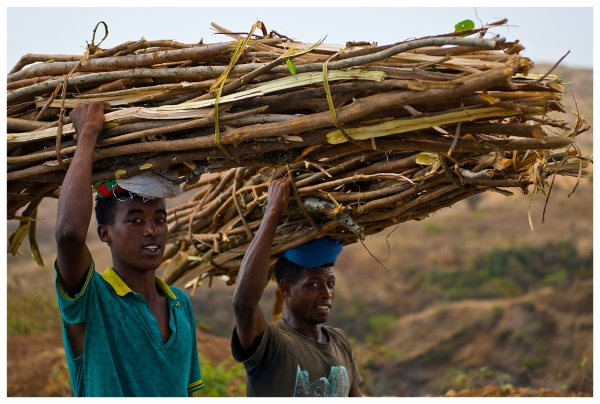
75,200
252,278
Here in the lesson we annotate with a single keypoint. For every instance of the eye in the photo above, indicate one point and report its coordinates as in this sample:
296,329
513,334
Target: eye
160,220
135,220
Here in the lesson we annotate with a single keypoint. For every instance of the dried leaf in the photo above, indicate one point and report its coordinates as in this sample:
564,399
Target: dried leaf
488,98
291,138
17,238
427,158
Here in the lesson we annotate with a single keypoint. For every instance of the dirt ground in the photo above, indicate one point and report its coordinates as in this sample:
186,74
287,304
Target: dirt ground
510,391
37,368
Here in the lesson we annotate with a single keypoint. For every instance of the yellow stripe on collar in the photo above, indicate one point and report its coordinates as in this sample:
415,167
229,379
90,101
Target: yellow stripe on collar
116,282
161,284
121,288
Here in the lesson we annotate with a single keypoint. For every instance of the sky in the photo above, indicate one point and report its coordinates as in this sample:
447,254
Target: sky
547,33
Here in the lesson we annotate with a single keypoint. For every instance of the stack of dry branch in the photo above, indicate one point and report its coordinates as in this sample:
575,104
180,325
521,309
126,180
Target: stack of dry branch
349,196
375,135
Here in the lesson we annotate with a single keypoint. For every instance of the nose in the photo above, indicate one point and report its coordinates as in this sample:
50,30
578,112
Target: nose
327,292
150,230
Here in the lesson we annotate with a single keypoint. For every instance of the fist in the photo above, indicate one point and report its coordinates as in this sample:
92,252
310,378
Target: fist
88,118
279,195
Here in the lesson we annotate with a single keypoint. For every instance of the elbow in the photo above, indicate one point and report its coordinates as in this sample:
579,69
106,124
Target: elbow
242,306
68,236
236,303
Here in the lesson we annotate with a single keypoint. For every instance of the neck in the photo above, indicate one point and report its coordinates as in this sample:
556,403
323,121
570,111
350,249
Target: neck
310,331
140,282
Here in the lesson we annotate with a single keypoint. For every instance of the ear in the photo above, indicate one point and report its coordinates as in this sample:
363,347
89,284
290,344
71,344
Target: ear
286,287
103,233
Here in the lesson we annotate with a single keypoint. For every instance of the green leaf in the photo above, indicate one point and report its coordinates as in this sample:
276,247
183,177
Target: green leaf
291,66
464,25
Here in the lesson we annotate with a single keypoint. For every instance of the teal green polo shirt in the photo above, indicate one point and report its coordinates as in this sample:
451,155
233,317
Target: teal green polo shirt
124,354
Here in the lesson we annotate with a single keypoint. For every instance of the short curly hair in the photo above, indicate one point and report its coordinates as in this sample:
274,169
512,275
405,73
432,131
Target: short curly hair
286,269
105,208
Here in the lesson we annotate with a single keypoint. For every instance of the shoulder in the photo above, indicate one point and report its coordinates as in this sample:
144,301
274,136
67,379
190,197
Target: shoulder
281,328
181,295
338,335
336,331
278,333
182,298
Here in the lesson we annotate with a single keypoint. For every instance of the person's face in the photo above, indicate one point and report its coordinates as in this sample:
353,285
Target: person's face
310,299
138,235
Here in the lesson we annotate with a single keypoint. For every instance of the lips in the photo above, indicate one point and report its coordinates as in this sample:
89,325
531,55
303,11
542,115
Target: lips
152,248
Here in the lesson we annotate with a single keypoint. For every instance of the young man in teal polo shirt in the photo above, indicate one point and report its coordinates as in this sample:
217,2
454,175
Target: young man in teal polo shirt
126,333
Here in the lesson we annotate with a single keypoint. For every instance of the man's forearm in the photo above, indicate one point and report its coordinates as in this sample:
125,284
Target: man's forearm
75,200
252,278
75,205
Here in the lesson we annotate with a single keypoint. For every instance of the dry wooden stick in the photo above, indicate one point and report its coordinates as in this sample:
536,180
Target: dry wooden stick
377,187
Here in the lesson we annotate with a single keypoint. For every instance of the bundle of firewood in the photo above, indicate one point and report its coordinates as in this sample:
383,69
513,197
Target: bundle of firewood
377,134
348,196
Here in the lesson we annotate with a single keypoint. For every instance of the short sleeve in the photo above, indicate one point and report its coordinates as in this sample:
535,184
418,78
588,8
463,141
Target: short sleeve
75,309
356,376
255,357
357,379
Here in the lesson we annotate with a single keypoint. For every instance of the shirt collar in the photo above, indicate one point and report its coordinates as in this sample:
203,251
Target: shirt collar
121,288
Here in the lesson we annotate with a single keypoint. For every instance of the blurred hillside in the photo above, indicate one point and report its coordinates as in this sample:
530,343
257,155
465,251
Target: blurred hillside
539,339
468,297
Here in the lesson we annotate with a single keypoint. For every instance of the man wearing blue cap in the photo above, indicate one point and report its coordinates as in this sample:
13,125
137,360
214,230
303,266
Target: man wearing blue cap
298,356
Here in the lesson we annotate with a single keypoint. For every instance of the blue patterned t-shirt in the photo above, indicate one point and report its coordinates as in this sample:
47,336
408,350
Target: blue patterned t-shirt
124,354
